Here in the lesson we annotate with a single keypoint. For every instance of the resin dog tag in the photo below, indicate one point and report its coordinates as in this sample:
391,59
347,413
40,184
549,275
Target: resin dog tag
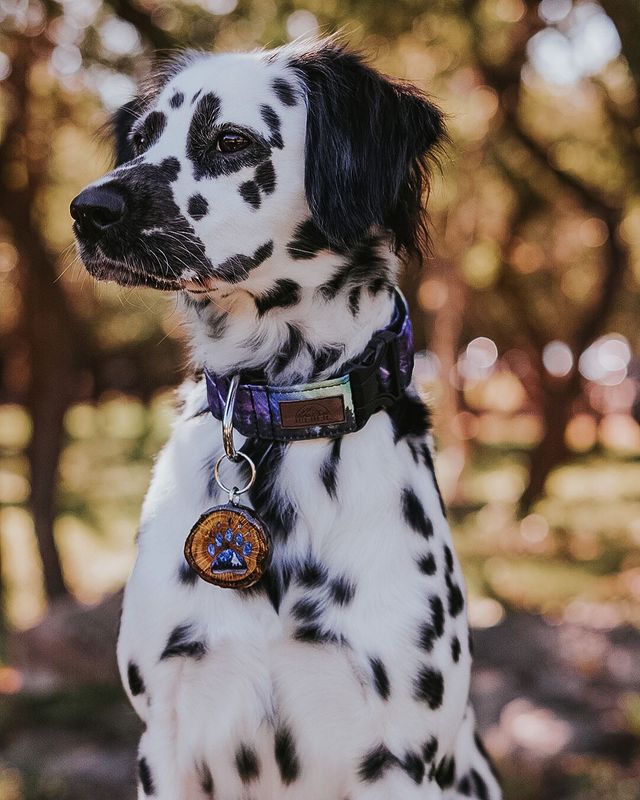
228,546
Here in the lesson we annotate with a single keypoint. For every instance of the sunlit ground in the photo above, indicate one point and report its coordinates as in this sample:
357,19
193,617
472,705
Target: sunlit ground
575,560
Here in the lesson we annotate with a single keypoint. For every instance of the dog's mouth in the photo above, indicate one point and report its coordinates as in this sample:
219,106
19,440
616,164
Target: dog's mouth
148,269
104,268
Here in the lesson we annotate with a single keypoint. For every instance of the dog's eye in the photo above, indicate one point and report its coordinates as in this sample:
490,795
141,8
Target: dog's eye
232,143
139,142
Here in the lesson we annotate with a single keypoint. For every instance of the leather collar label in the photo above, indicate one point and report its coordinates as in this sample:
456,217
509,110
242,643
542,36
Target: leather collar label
308,413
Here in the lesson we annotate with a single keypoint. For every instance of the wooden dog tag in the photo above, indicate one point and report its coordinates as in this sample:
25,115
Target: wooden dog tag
228,546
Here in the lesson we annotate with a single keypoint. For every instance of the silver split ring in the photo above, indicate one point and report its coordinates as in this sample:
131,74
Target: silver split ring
235,491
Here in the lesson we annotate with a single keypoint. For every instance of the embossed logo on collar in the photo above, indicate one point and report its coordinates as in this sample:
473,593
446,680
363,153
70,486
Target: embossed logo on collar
305,413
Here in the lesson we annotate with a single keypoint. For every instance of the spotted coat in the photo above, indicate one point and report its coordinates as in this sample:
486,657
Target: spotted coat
345,672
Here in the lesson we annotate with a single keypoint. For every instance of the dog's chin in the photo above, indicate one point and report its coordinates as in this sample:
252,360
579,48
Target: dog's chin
108,269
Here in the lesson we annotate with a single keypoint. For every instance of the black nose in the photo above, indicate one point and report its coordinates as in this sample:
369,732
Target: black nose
98,208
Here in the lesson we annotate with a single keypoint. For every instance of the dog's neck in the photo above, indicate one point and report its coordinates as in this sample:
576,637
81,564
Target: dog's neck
338,301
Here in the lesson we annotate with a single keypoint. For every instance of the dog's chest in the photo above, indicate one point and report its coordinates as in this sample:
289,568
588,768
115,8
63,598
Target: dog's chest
332,646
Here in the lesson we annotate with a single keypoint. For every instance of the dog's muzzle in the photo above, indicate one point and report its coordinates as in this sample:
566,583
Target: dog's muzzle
130,230
97,210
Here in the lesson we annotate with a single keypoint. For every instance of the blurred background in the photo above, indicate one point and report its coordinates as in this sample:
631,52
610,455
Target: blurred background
527,324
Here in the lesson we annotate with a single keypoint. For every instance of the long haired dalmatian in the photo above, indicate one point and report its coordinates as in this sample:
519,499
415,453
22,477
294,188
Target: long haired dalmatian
278,194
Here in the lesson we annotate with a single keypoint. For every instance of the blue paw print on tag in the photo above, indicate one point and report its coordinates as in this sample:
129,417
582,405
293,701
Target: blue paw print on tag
228,551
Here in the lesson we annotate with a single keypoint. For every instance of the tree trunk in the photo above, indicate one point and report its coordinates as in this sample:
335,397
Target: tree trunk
49,394
557,400
48,324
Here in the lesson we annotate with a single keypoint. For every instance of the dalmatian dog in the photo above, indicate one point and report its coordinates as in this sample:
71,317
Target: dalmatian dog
278,194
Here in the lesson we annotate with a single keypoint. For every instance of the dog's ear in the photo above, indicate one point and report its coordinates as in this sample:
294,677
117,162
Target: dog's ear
368,143
121,122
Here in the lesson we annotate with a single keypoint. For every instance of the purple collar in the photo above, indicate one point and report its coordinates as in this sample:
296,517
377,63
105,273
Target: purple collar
329,408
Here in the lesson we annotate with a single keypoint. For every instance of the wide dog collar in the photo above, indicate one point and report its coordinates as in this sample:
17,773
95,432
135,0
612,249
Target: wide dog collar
328,408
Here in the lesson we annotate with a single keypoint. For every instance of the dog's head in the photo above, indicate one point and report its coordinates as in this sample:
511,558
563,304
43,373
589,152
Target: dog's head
234,163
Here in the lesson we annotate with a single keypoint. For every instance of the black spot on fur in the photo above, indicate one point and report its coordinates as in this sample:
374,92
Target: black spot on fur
354,300
283,294
413,765
445,774
429,749
427,564
455,649
432,630
429,687
329,468
266,177
414,513
312,574
289,349
202,122
273,121
342,590
427,637
464,786
272,506
274,584
285,92
206,780
136,684
286,756
479,785
176,100
375,763
307,241
378,284
216,325
198,303
325,357
247,763
484,753
198,206
380,678
208,162
170,168
196,96
409,417
237,268
306,609
448,558
456,598
145,777
250,193
428,462
363,267
314,634
182,643
437,615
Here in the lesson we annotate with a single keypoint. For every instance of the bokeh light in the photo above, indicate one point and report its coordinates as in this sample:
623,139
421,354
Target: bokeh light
557,359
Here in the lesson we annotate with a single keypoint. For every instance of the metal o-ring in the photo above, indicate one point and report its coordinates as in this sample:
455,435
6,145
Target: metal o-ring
235,491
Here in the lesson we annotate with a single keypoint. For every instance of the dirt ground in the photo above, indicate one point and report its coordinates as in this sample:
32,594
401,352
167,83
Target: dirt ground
559,707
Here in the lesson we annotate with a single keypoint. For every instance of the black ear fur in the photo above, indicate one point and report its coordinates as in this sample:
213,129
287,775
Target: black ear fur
121,123
367,145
